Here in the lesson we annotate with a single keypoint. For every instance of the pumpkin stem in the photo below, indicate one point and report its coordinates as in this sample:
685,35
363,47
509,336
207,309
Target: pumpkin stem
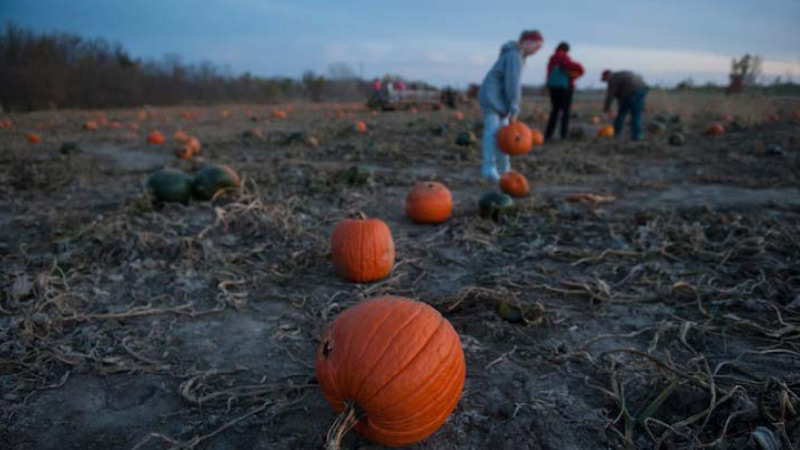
358,215
343,423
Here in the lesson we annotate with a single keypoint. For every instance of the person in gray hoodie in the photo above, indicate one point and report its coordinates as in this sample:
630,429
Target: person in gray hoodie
499,98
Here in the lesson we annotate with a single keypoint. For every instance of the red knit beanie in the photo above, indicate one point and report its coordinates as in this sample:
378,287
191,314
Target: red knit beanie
531,35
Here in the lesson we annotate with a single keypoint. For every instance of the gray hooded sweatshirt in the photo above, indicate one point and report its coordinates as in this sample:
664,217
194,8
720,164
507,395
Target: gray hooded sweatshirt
501,90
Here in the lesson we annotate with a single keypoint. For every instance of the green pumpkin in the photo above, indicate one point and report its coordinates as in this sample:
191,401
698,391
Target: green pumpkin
495,205
169,185
677,139
656,127
466,138
675,119
213,178
354,176
68,148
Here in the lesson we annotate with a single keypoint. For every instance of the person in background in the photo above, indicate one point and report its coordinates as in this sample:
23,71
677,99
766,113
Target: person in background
630,91
561,75
376,88
499,98
400,88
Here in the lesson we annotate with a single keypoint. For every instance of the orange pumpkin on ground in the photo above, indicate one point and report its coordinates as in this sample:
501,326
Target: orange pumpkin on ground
458,115
101,120
277,114
194,144
594,120
360,127
715,129
133,126
397,362
362,249
181,136
605,131
155,138
514,184
33,138
537,138
183,151
90,125
515,139
7,123
115,125
429,202
413,110
142,115
726,117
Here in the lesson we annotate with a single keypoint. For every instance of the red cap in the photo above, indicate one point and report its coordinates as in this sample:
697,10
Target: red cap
531,35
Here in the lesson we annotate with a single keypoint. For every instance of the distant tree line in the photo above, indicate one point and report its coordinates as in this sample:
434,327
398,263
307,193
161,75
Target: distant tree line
61,70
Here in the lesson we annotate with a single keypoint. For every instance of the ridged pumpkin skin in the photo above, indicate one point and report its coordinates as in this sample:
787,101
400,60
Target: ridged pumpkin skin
514,184
515,139
400,361
362,250
429,202
213,178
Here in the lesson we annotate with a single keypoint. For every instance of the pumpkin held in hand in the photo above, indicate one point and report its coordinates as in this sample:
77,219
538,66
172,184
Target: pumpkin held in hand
514,184
429,202
515,139
397,362
362,249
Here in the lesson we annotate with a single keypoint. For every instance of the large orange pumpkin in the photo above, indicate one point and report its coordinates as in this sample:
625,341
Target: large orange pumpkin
429,202
396,361
715,129
605,131
515,138
362,249
155,137
514,184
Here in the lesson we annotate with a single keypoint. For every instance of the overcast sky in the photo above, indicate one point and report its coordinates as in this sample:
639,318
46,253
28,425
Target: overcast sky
445,42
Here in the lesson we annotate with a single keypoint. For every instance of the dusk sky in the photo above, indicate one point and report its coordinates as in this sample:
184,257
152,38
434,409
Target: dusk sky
444,42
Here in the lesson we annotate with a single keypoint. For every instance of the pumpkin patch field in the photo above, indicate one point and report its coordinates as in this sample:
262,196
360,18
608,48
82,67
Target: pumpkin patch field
279,276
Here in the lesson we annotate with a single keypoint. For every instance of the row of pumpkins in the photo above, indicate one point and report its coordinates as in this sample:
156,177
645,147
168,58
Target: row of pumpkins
395,381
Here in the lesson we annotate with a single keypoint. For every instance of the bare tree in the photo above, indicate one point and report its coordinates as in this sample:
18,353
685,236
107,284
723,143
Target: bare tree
745,72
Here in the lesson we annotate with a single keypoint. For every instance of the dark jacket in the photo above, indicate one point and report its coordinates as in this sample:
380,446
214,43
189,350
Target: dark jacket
622,85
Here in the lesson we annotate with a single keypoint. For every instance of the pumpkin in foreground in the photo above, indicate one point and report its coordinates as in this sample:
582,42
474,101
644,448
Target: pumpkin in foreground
429,202
213,178
362,249
169,185
393,367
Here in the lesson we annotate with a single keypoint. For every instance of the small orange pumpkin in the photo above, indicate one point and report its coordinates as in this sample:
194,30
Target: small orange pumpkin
397,361
413,110
362,249
606,131
193,144
360,127
115,125
429,202
155,138
133,126
594,120
515,139
101,120
726,117
537,138
183,151
458,115
142,115
277,114
514,184
715,129
33,138
90,125
7,123
181,136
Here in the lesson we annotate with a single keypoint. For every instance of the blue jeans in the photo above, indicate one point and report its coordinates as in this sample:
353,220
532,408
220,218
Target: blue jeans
633,104
495,162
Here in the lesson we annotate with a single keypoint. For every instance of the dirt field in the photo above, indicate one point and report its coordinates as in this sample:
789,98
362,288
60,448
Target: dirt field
668,319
